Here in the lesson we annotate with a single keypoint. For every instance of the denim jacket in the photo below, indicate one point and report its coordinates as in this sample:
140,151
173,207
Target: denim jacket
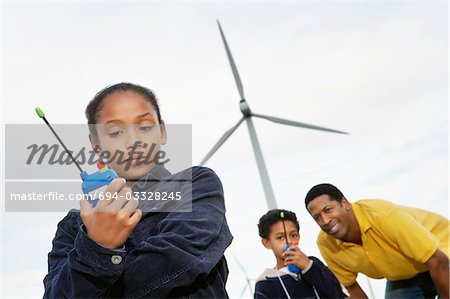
168,254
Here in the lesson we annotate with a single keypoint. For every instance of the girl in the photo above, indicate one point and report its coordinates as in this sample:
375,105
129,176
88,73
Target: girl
116,250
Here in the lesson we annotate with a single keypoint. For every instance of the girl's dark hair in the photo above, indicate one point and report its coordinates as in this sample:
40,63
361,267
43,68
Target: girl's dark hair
272,217
95,104
321,189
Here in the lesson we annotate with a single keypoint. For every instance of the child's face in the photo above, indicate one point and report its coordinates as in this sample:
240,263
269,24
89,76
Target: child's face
125,118
277,241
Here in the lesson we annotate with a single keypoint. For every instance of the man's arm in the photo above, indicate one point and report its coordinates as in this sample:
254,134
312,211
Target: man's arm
438,265
332,258
422,246
356,292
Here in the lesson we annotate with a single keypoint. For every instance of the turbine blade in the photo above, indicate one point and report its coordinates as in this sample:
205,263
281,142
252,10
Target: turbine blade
296,123
240,266
246,276
270,197
221,141
232,64
243,291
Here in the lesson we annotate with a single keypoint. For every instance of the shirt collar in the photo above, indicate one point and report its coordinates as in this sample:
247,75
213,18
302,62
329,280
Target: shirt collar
361,218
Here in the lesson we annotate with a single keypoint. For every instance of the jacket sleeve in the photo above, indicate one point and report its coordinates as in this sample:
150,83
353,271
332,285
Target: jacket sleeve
77,266
187,245
323,280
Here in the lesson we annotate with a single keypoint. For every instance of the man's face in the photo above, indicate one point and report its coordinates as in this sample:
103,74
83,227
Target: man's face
277,241
128,125
332,217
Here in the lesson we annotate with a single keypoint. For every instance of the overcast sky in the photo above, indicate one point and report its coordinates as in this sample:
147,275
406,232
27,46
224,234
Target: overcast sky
376,70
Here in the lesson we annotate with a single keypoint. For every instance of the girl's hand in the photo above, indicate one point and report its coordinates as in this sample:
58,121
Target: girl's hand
114,217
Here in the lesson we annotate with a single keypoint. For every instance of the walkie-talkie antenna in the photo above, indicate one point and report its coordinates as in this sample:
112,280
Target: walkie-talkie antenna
41,114
284,227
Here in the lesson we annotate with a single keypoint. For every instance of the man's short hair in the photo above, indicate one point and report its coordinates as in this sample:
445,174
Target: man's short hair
272,217
321,189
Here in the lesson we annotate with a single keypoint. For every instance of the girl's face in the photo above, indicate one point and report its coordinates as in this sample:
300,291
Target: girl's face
128,127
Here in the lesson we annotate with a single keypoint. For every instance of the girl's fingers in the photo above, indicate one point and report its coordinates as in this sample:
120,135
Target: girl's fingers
134,219
111,192
85,206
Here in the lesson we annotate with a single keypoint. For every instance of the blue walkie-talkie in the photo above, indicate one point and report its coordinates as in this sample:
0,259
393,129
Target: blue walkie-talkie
92,183
292,268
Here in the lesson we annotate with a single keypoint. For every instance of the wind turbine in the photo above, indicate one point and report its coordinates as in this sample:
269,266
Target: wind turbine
247,278
247,115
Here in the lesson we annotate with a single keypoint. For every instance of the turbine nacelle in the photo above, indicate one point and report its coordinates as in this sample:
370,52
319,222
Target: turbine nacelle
245,108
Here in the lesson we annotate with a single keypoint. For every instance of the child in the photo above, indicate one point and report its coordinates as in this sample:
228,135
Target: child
115,250
314,279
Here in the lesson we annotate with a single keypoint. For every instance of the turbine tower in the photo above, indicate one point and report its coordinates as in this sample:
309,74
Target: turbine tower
247,115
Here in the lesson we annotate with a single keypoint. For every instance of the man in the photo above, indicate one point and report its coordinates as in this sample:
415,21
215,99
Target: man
407,246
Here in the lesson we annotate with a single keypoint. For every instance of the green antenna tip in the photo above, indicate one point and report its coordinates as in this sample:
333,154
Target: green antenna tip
282,215
39,112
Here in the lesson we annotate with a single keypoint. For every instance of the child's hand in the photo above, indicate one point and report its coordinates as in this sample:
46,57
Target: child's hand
294,256
113,219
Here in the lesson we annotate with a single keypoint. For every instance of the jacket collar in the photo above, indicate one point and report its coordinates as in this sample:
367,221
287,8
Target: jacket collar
151,179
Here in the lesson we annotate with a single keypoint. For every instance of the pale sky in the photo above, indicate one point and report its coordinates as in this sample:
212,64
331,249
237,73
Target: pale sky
376,70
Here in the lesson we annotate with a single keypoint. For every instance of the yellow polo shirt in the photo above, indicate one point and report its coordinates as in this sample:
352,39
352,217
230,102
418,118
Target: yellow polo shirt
397,241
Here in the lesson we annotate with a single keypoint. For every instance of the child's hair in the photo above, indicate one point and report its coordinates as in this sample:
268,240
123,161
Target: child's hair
95,104
272,217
